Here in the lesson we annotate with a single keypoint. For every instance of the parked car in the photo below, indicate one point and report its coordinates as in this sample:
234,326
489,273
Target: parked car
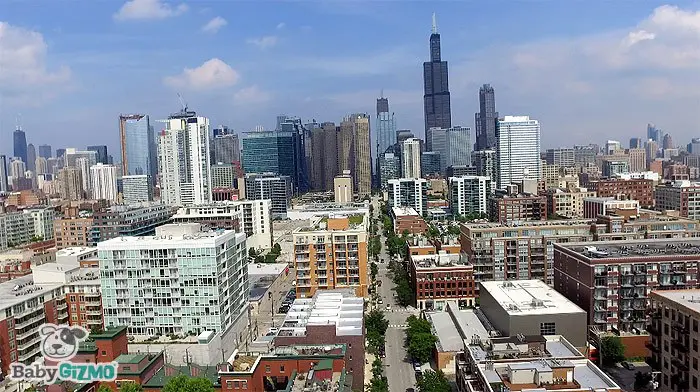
627,365
388,307
380,301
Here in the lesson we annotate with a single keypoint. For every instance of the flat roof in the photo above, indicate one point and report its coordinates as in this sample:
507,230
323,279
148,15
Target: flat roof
209,238
586,374
449,337
75,251
20,289
404,211
439,260
337,308
667,247
131,358
529,297
266,269
689,299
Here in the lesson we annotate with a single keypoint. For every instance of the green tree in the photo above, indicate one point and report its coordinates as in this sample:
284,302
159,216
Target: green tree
453,230
404,293
434,382
377,368
252,253
612,350
433,231
188,384
277,248
416,326
378,385
131,387
421,347
375,321
103,388
373,270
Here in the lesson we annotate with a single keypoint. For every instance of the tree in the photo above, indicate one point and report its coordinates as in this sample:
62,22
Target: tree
131,387
454,230
377,368
277,248
188,384
641,380
421,347
373,270
103,388
416,326
433,231
378,385
375,321
612,350
434,382
252,253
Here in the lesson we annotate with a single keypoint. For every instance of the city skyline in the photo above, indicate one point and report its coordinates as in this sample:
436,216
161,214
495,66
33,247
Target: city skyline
535,77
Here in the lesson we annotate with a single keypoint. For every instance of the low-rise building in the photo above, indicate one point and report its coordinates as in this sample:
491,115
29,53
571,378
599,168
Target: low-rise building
531,307
85,256
407,219
326,319
442,277
266,281
640,189
72,232
681,196
567,202
518,208
22,227
596,206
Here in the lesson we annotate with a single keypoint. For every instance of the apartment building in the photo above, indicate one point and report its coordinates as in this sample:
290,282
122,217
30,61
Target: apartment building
634,189
330,254
595,206
254,217
272,187
442,277
469,194
70,232
567,202
611,280
182,280
673,325
22,227
407,219
409,192
122,220
517,208
681,196
328,318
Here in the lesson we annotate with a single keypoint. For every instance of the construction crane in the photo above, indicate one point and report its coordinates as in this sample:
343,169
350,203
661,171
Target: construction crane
182,102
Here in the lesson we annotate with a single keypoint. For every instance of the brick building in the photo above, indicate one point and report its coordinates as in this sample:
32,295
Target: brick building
442,277
521,207
641,190
407,219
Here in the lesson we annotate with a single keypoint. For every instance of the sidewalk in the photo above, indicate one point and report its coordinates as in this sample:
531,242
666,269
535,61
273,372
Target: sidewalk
368,367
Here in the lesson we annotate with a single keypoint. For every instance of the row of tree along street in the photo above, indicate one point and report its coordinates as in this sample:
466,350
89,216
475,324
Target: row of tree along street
420,343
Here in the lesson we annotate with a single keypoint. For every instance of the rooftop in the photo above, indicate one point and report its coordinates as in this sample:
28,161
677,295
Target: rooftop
528,297
131,359
529,224
451,332
647,248
20,289
404,211
325,308
181,235
690,299
75,251
164,374
440,260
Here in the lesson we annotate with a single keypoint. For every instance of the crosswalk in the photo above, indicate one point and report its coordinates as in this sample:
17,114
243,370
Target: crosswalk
398,326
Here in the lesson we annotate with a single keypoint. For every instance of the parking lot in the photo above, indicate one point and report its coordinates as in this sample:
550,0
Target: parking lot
625,377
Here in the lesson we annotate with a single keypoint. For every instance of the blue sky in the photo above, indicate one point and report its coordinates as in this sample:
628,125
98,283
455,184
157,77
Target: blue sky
588,70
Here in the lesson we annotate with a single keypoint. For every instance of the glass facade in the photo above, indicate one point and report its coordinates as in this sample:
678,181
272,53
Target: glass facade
137,145
279,152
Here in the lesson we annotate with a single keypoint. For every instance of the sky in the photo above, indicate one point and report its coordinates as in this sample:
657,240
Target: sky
589,71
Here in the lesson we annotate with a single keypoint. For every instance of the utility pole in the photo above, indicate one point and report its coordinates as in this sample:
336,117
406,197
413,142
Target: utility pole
272,307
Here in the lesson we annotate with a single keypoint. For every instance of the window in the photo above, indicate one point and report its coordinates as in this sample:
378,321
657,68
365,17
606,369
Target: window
695,345
695,382
104,353
229,384
548,328
695,325
267,369
695,363
244,384
282,368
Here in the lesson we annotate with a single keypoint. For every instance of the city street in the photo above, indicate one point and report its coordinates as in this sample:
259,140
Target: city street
398,367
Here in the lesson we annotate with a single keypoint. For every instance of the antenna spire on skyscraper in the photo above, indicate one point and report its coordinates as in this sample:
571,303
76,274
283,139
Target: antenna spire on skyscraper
434,24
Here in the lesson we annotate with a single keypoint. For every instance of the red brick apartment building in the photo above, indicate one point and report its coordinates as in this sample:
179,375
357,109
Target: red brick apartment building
641,190
442,277
522,207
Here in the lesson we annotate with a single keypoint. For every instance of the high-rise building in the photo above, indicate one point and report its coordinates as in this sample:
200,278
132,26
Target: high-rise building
330,154
71,156
563,157
354,151
20,144
70,183
60,152
485,119
282,151
430,164
409,192
104,182
41,165
485,163
667,141
410,158
342,189
469,195
137,143
403,134
459,146
4,188
226,146
17,168
183,158
654,133
585,155
652,149
31,157
436,98
389,165
385,128
636,142
268,186
136,189
208,266
518,149
101,153
638,160
83,164
45,151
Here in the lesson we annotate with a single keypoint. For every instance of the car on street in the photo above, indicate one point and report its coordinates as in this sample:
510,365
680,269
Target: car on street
388,307
410,390
380,301
627,365
284,308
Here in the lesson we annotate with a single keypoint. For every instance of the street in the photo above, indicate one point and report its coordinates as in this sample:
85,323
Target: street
397,365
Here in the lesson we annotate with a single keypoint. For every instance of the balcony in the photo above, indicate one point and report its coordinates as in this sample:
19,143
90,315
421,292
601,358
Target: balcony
680,346
652,347
679,327
679,364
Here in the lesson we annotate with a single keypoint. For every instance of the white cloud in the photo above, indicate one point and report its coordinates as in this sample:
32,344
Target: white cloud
24,75
149,9
251,95
635,37
263,42
214,25
213,74
281,25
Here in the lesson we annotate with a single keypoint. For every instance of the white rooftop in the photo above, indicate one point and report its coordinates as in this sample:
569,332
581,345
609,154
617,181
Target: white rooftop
687,298
404,211
266,269
75,251
181,235
527,297
442,259
325,308
21,289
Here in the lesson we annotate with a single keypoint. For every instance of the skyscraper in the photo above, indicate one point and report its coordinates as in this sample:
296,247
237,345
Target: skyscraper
330,154
20,144
101,152
485,119
385,128
136,141
390,165
83,164
45,151
667,141
226,146
436,97
104,182
636,142
31,158
518,149
459,146
654,133
3,175
410,158
183,158
354,151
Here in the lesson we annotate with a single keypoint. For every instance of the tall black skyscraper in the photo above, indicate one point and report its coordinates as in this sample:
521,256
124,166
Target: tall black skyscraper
485,120
20,145
436,98
3,175
101,152
45,151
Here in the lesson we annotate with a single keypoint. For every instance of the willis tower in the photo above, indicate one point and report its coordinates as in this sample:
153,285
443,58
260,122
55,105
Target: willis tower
436,97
